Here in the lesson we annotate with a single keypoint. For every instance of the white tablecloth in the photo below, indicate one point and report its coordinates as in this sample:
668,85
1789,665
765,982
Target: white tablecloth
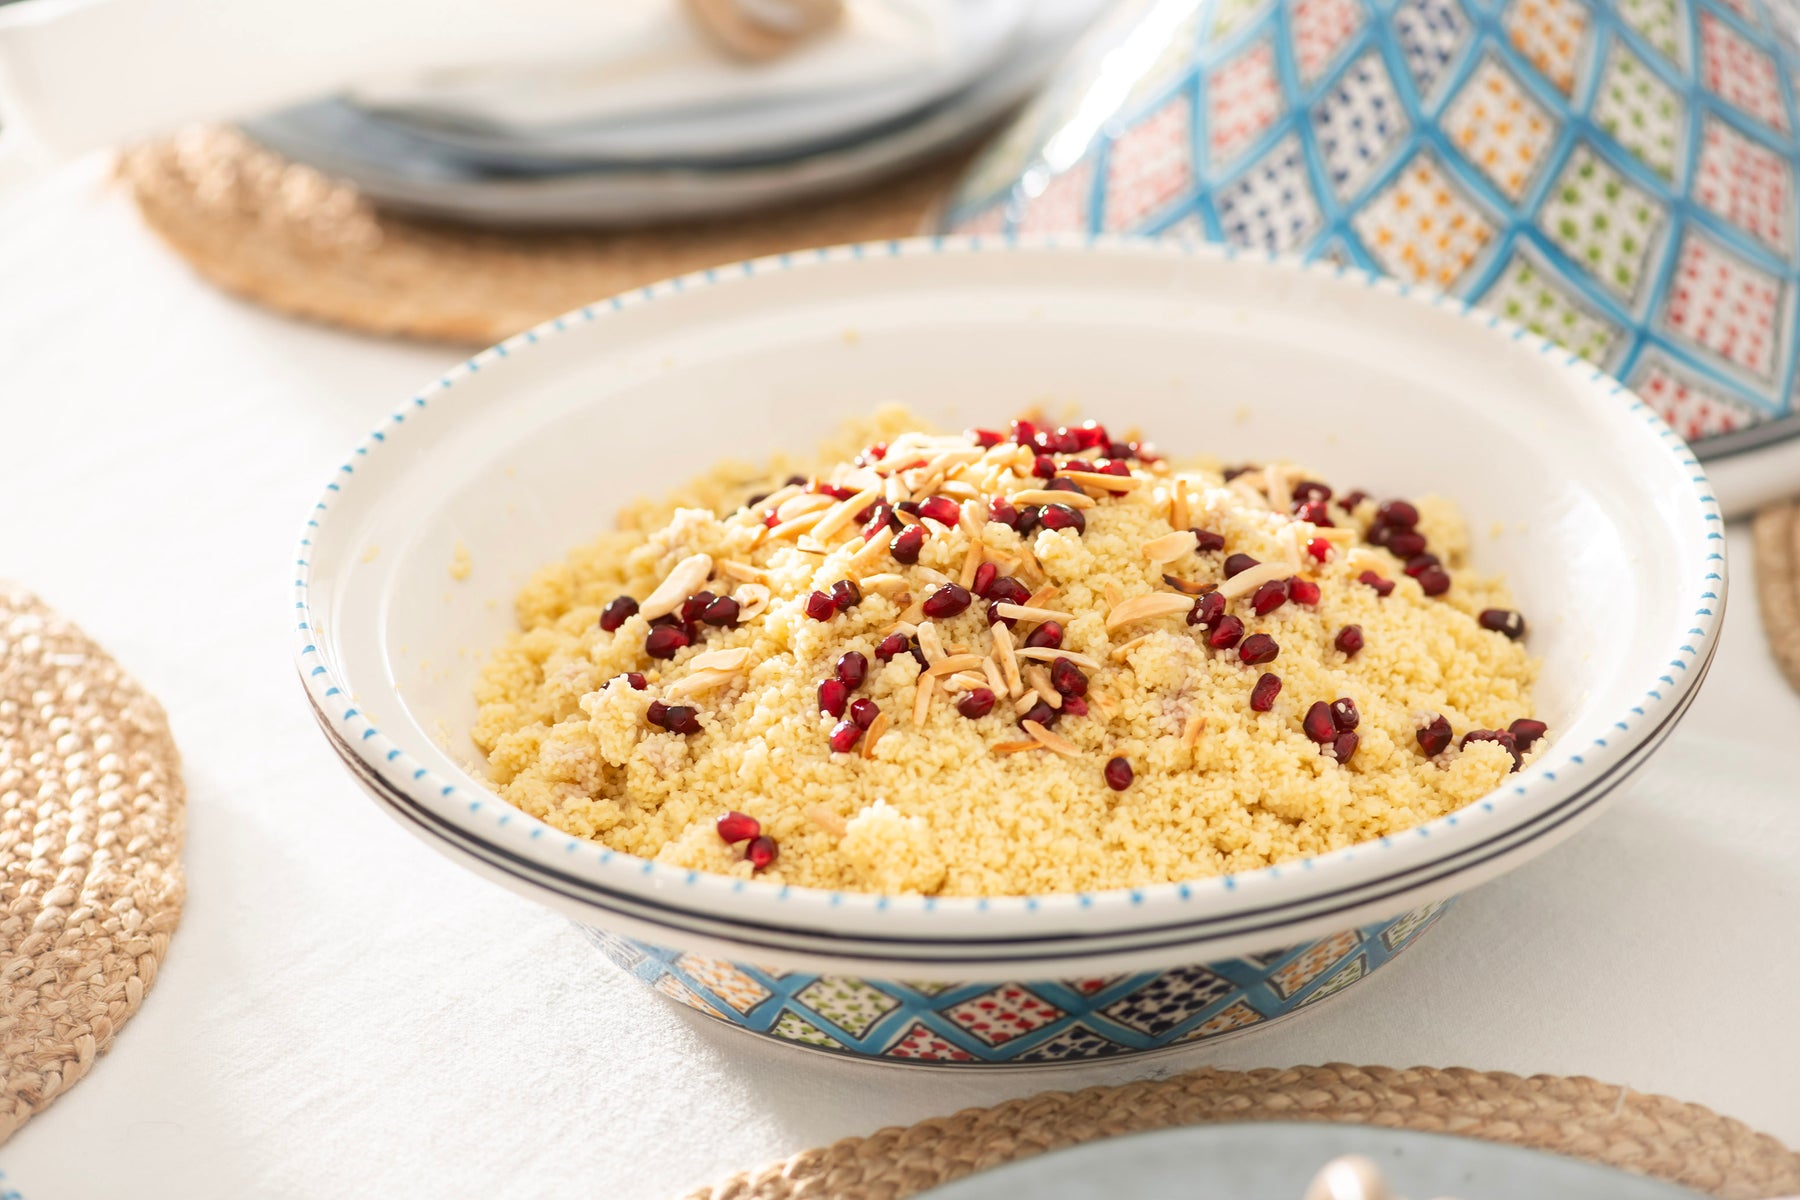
344,1012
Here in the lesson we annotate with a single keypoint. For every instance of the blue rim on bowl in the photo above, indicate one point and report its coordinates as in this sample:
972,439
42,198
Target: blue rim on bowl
1028,934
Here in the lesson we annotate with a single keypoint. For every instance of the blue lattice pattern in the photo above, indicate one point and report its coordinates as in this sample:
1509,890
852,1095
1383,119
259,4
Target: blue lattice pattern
1617,175
1018,1023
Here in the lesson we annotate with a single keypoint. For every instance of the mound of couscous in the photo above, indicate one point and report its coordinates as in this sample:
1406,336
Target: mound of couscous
997,663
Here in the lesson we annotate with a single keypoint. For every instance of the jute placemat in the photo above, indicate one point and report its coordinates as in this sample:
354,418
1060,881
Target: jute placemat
91,818
1776,538
1575,1116
296,240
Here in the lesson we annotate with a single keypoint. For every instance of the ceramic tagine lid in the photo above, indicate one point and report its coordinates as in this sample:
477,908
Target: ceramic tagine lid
1618,176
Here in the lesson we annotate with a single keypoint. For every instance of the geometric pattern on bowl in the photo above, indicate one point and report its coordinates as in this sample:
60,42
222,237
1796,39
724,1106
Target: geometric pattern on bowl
990,1024
1575,164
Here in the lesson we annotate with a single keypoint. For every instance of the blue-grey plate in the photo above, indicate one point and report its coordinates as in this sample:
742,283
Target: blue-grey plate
1276,1161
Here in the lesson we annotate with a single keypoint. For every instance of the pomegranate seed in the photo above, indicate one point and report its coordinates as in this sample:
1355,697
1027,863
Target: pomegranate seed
878,451
941,509
1225,632
1008,590
1381,535
1044,467
819,607
1269,597
664,641
1207,541
694,605
762,853
907,545
1262,696
852,667
845,595
880,517
1418,563
1237,564
987,439
1526,732
1118,773
1303,591
1503,620
1040,712
1029,518
1314,512
1349,640
985,575
1063,441
1397,513
976,703
1434,581
1309,490
1434,738
833,695
1382,586
770,519
1067,678
795,481
1343,746
615,613
1063,483
1351,499
1024,432
679,718
1317,723
1319,548
892,644
1112,466
1074,706
947,601
1207,610
1090,434
918,654
1505,738
994,617
845,735
1047,636
1232,473
1407,543
636,680
1000,509
909,507
657,714
1061,516
737,827
1123,450
755,500
723,611
863,712
1344,714
1259,648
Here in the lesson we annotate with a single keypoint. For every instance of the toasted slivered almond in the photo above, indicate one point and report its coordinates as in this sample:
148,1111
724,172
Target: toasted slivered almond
1009,665
1039,679
974,516
951,663
877,727
956,648
733,659
1025,612
874,548
698,682
913,612
971,563
797,526
758,536
1275,487
1190,732
808,544
1045,496
903,628
934,578
1114,597
1146,607
1178,505
893,491
1120,652
742,572
929,642
884,584
1100,481
1024,458
1247,581
799,506
778,497
823,817
957,489
1047,654
844,512
922,699
1188,587
858,478
1103,701
1029,566
1170,546
1016,747
1248,492
963,681
1335,533
751,598
683,581
995,681
1025,703
1043,596
1050,741
956,457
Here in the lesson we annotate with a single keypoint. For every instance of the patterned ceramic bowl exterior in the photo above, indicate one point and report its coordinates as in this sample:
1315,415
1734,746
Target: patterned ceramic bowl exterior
1019,1024
1618,177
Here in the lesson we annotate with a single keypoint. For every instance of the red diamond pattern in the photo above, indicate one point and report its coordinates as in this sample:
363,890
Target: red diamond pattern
1739,73
1243,100
1749,185
1151,165
1691,410
1003,1014
1321,27
922,1045
1721,303
1062,207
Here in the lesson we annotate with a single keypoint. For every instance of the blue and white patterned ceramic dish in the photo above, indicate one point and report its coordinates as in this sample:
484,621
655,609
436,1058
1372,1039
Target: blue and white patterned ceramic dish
1617,176
522,451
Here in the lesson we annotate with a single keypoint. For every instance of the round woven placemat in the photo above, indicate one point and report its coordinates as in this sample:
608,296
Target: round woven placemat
1776,538
91,819
296,240
1576,1116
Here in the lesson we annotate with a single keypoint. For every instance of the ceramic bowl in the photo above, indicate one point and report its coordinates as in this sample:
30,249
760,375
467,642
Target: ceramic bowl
1617,175
523,452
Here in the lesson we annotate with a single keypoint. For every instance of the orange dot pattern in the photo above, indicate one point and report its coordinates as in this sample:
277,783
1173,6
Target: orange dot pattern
1500,129
1421,229
1549,34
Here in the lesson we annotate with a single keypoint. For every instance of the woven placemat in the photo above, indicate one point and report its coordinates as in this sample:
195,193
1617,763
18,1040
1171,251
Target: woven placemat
296,240
1576,1116
91,820
1776,538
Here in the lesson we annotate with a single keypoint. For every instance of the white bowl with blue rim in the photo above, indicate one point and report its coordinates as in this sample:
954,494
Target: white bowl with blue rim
525,450
1618,175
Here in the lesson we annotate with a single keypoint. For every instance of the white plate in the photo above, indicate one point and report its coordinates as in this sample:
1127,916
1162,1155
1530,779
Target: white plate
1605,528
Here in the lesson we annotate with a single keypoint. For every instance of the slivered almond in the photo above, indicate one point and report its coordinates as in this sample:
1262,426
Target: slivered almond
1016,747
957,457
1039,679
1025,703
1043,596
1045,496
877,727
823,817
1170,546
934,578
974,516
797,526
1188,587
779,496
1147,607
1114,597
893,491
721,660
1106,704
874,548
699,682
844,512
752,598
799,506
1050,741
930,643
957,489
886,583
743,572
1335,533
1275,486
1190,732
1046,654
1121,652
971,563
903,628
963,681
913,611
1025,612
1247,581
1009,665
922,699
956,648
680,583
952,663
1100,481
1178,506
1028,563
